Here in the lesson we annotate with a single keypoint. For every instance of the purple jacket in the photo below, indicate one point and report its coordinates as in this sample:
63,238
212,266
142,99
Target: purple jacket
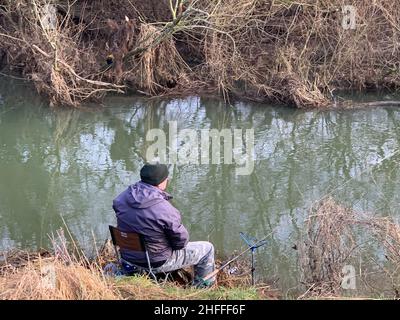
145,209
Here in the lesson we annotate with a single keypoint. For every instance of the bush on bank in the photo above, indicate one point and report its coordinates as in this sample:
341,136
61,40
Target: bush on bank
285,51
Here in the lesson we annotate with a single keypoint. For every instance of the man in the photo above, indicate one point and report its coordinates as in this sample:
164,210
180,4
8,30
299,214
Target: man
144,208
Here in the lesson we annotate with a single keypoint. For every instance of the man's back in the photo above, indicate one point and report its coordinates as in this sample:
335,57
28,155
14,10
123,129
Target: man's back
145,209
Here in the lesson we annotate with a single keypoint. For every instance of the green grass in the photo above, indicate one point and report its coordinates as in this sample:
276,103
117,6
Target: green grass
132,285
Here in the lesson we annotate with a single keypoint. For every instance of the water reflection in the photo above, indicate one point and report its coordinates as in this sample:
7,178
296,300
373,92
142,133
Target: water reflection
69,164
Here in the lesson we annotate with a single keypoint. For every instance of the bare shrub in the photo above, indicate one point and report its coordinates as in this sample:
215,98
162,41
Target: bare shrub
160,65
386,232
56,59
334,236
277,51
327,245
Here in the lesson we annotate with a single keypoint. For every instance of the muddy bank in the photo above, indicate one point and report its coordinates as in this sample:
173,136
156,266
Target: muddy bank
270,51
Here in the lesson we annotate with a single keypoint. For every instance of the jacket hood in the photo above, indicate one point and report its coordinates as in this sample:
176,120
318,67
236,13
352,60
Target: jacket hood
144,195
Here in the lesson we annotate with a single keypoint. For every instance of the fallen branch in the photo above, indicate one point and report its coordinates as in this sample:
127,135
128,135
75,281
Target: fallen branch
94,82
371,104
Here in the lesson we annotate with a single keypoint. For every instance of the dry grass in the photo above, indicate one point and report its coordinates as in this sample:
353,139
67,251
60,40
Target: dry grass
334,236
327,245
52,279
160,65
387,233
330,241
71,276
279,51
58,61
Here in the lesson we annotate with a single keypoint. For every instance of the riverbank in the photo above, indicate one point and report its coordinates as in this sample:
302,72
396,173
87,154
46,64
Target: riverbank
45,275
335,240
271,51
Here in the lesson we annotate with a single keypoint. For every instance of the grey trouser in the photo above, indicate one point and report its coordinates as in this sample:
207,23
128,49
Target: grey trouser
199,254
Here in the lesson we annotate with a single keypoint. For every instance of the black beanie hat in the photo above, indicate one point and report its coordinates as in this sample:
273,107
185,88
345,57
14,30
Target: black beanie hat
154,174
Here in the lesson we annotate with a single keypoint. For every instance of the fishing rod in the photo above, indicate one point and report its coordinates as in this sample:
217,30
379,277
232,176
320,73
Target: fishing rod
255,245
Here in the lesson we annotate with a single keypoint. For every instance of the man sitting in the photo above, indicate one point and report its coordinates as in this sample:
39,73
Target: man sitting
144,208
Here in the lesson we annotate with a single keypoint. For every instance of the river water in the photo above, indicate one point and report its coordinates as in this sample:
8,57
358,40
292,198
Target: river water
65,166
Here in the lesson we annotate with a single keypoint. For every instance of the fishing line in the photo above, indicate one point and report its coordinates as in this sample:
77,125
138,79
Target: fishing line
359,174
380,194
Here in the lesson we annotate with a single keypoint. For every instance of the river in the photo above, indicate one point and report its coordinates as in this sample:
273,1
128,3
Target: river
63,166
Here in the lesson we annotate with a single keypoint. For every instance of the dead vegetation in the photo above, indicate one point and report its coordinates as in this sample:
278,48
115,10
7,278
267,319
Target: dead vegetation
67,274
327,245
336,236
276,51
